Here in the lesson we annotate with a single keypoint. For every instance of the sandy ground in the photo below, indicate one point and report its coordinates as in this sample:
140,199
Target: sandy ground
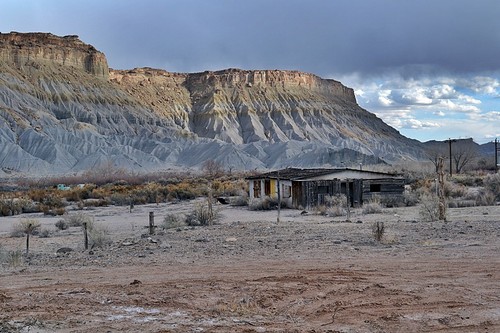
308,273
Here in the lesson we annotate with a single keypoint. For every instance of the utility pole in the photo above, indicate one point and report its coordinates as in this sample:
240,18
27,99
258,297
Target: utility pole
449,144
496,155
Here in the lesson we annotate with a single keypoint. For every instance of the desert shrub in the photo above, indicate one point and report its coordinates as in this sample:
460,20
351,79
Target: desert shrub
150,193
45,233
202,215
455,190
173,221
373,206
77,220
492,184
468,180
265,203
182,191
320,210
98,235
336,211
240,200
120,199
378,230
429,207
11,258
410,198
25,226
336,200
485,198
62,225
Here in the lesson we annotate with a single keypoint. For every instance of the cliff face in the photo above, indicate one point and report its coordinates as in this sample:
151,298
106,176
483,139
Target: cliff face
23,49
62,109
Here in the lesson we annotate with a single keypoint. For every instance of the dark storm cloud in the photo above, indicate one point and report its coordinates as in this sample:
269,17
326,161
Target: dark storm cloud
323,37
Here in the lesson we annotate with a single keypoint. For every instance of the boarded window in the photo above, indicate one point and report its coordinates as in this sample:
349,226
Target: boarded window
374,187
256,188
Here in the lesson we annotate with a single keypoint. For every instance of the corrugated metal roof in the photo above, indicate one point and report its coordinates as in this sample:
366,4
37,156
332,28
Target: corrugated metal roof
302,174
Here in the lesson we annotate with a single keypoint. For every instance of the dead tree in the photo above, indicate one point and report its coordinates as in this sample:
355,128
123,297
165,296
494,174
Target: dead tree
441,194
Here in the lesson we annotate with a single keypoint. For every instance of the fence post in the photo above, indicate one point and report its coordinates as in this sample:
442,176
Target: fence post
85,236
151,223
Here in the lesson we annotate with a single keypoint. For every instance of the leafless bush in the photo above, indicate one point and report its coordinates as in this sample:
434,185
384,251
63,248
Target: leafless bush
486,198
24,227
264,203
77,220
336,211
492,183
429,207
372,207
174,221
98,235
202,215
45,233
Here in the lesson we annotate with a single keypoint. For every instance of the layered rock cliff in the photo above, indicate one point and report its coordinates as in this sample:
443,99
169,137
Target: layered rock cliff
62,109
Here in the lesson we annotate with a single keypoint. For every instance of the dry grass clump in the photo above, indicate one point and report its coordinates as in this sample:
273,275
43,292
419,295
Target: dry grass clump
203,215
492,184
373,206
98,236
429,207
264,203
76,220
174,221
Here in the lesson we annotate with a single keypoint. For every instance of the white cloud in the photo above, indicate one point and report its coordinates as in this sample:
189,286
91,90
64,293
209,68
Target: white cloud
482,85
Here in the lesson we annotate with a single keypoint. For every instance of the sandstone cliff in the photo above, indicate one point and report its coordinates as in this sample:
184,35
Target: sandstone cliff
62,109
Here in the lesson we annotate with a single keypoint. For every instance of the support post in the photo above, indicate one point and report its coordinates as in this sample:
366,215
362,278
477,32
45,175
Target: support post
348,195
151,223
279,198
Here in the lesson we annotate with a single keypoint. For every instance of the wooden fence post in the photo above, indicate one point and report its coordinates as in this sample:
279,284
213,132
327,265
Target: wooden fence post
151,223
85,236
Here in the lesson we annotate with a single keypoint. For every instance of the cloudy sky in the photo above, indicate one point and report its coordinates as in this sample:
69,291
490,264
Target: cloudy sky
430,68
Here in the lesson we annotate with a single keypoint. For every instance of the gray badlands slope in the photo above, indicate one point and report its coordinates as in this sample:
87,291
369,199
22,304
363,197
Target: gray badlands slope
63,110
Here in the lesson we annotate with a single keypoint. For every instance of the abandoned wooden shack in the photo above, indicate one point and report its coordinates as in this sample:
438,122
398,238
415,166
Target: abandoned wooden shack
306,188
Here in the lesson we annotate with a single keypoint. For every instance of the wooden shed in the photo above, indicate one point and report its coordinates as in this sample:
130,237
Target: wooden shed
306,188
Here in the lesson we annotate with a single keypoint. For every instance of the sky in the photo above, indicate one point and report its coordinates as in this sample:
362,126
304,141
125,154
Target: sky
429,68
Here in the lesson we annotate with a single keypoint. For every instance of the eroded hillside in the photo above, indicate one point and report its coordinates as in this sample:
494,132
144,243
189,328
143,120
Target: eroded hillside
63,110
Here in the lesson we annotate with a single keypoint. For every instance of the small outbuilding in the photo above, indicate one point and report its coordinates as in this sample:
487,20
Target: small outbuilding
306,188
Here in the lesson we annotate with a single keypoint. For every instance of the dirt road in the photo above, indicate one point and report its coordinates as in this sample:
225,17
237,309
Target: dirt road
248,274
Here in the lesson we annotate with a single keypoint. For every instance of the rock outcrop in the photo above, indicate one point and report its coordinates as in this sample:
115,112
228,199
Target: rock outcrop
63,110
26,49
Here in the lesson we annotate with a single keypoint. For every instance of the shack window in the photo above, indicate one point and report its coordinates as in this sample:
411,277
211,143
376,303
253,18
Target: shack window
256,188
323,189
287,191
374,187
